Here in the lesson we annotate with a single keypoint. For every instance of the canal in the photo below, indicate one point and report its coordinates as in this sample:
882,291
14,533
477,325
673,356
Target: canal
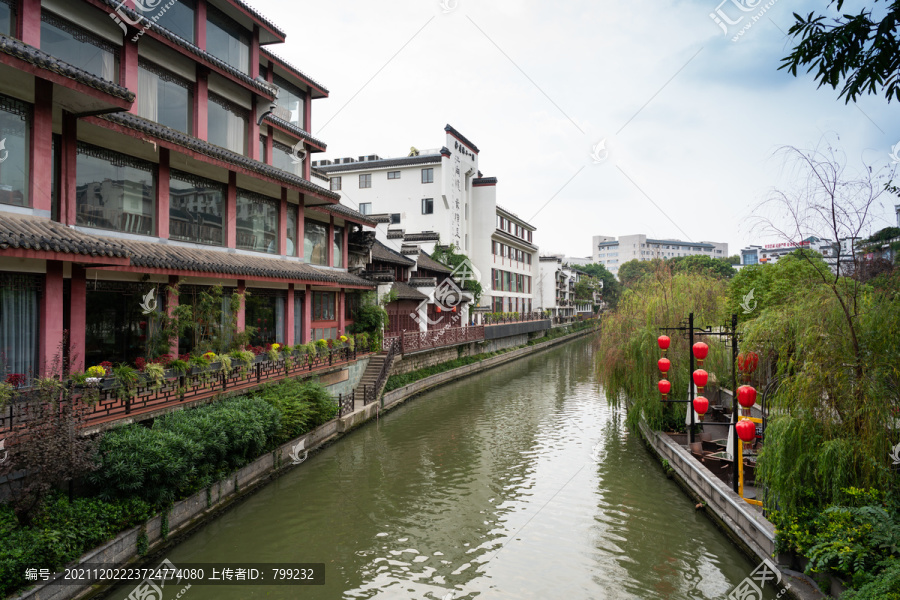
521,482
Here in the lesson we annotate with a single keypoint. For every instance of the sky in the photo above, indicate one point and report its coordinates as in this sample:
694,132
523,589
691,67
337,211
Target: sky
690,120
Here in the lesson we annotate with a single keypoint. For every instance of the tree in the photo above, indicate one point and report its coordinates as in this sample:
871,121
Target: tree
631,272
733,260
449,256
611,286
586,287
698,263
860,52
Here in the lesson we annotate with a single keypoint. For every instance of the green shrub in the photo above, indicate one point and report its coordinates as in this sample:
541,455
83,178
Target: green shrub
883,586
183,451
302,406
60,533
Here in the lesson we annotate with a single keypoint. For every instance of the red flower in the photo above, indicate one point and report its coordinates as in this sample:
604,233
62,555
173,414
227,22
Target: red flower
163,360
140,363
143,324
184,357
107,366
15,379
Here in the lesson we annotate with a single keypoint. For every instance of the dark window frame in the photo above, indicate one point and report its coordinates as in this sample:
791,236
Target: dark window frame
365,181
428,175
427,206
204,182
394,174
335,183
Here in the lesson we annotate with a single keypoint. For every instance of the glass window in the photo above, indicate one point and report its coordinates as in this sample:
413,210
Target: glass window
120,332
19,296
298,317
114,191
227,40
227,124
427,175
365,181
177,18
284,159
257,222
7,17
427,206
262,149
365,208
338,247
315,240
393,174
79,48
15,126
351,305
323,306
290,97
164,97
395,218
265,313
325,333
291,249
195,209
335,184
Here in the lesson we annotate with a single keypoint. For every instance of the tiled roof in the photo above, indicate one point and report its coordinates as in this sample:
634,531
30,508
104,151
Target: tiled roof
339,210
183,43
449,129
38,233
176,137
284,63
259,16
299,132
405,292
155,255
422,236
424,159
315,172
426,262
382,253
484,181
39,58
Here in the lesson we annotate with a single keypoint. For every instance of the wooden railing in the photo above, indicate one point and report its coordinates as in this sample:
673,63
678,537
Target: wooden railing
415,341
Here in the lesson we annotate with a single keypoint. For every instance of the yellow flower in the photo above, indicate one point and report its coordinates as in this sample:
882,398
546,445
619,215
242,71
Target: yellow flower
96,371
276,346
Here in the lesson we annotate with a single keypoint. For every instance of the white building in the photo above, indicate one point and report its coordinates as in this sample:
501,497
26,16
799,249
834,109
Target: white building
770,253
555,289
440,197
612,253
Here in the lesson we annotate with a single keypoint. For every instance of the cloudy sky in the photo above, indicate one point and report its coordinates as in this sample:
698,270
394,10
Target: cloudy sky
691,118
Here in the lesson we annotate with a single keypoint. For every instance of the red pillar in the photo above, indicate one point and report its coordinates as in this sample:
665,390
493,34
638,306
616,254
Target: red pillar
342,298
289,317
162,195
307,315
28,26
330,246
307,125
253,130
128,70
201,99
171,305
200,25
282,223
51,320
301,227
68,155
77,318
40,168
344,242
231,212
242,313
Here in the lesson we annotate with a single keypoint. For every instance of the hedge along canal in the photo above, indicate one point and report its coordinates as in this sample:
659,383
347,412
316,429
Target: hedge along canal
518,482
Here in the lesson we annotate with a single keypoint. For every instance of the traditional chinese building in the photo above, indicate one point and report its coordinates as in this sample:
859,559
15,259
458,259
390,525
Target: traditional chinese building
146,147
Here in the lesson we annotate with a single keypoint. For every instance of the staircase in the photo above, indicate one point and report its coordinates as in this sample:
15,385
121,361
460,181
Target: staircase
370,378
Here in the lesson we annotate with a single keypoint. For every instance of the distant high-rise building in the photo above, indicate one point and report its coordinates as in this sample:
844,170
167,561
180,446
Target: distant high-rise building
611,252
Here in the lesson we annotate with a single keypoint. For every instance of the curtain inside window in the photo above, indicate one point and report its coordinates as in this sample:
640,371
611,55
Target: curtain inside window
235,133
148,95
298,318
18,331
280,331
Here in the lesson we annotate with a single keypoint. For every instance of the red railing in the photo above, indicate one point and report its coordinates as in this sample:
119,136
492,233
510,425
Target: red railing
415,341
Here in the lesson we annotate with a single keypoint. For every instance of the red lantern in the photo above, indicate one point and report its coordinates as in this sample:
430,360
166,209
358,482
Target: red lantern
746,396
701,349
664,365
746,430
664,341
701,405
439,309
747,362
701,378
664,387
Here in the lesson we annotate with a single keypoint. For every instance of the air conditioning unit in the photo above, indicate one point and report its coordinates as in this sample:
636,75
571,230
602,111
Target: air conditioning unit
373,157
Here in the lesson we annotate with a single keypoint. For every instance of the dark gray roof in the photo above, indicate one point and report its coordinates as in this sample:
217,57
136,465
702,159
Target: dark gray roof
300,133
263,87
155,255
39,233
484,181
41,59
422,236
197,145
289,66
315,172
449,129
382,253
339,210
423,159
426,262
261,18
406,292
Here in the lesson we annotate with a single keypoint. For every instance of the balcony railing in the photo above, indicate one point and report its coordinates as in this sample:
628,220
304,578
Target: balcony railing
513,317
415,341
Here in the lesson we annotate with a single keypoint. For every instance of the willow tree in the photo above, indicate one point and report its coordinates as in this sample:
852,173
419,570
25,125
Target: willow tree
831,337
628,352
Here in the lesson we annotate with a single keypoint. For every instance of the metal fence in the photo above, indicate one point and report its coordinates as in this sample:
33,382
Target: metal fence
415,341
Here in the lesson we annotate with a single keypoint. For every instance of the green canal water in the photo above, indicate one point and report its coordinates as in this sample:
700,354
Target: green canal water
521,482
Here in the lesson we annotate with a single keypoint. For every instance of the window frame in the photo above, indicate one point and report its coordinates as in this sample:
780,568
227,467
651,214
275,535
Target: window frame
204,182
427,206
428,175
394,174
335,183
365,181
